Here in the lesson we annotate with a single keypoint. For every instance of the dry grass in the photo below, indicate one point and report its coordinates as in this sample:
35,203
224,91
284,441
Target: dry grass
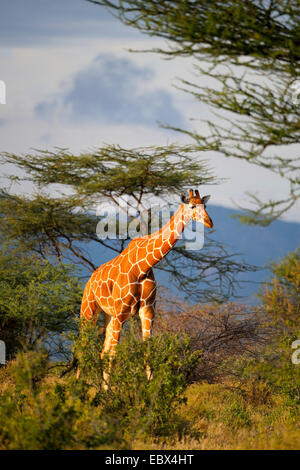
219,419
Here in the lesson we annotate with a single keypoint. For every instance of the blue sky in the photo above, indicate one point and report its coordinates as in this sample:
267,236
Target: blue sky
44,22
72,82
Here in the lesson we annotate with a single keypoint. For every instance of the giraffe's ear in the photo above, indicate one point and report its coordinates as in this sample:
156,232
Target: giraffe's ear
183,198
205,199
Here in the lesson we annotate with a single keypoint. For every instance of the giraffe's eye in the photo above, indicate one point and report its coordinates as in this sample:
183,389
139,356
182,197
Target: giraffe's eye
192,207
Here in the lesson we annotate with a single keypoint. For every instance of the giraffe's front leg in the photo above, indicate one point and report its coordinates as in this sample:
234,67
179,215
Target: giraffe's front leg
112,337
147,316
146,311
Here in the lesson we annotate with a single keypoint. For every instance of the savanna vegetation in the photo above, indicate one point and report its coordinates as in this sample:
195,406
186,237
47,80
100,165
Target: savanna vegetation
222,374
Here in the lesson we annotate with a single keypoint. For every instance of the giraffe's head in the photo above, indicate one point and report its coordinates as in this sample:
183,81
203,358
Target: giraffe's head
196,208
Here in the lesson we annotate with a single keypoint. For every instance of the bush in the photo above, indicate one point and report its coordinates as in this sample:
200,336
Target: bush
219,331
271,367
142,407
281,296
38,303
40,410
271,370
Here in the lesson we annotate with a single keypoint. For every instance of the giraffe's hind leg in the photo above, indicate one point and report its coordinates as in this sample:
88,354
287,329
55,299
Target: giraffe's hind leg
147,316
147,303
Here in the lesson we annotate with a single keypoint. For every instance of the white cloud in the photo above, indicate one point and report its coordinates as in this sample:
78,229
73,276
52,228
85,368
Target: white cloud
112,90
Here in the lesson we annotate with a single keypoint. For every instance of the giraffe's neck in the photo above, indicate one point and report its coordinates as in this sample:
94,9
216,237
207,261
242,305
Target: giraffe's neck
161,242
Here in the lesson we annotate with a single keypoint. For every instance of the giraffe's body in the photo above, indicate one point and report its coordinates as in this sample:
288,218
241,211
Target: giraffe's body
126,286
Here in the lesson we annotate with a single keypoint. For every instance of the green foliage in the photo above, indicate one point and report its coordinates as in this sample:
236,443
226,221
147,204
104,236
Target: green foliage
28,370
272,364
43,413
87,349
38,303
143,407
170,361
281,295
281,300
39,410
224,30
271,370
47,226
114,171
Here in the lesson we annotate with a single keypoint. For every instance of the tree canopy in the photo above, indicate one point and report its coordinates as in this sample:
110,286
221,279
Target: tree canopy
60,226
248,52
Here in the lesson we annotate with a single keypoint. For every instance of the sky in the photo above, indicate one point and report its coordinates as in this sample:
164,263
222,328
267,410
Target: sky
71,82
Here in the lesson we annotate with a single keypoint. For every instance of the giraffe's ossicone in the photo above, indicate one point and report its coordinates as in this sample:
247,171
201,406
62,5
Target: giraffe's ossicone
126,285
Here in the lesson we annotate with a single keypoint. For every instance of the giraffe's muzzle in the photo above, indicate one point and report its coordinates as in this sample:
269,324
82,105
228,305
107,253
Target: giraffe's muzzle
208,222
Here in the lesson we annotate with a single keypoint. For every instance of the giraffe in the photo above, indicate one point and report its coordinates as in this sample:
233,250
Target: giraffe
125,286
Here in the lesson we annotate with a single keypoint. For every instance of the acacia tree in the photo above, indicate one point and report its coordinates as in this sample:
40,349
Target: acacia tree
60,227
250,53
39,303
281,296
